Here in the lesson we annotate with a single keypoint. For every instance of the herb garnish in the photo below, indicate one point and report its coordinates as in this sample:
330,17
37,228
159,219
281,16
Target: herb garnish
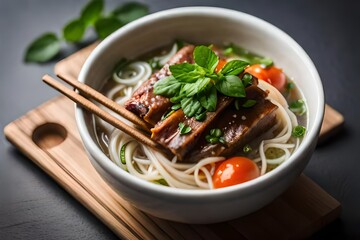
298,107
184,129
195,86
215,136
47,46
247,148
246,55
298,131
249,103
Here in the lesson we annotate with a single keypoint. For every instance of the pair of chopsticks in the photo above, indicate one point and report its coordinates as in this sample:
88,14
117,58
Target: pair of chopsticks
100,98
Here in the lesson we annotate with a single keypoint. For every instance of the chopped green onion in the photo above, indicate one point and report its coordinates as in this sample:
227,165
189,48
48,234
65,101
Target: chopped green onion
184,129
122,153
216,132
273,153
290,86
298,107
298,131
249,103
247,148
215,136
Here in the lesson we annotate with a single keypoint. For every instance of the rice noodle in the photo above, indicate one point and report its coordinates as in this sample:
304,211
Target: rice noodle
136,71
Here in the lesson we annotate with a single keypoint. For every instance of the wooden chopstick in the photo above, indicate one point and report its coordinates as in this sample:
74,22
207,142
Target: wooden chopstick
77,98
117,108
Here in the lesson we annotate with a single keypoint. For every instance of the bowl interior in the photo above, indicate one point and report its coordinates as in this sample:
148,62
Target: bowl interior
203,25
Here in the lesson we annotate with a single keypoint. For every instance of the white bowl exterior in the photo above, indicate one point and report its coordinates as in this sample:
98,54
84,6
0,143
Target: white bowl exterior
203,25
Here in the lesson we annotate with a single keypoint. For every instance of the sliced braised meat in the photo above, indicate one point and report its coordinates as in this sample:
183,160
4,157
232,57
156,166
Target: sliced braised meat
239,127
167,132
144,102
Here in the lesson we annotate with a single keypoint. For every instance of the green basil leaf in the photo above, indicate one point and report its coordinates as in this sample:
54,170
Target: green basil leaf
190,89
231,86
209,101
247,79
186,72
130,11
206,58
167,86
104,26
91,12
74,30
234,67
201,116
190,106
43,48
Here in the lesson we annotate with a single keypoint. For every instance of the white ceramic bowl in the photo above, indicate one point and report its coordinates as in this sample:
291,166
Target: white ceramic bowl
203,25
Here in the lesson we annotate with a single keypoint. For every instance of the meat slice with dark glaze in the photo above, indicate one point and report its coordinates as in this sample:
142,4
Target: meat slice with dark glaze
144,102
239,127
167,132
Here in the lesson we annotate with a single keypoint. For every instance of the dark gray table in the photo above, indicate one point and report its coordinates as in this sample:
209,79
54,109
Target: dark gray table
33,206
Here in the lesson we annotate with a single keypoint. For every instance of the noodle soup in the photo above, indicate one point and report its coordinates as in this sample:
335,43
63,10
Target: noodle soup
253,128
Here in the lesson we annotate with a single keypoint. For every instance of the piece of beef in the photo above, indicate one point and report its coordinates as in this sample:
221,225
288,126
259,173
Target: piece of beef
144,102
239,127
167,132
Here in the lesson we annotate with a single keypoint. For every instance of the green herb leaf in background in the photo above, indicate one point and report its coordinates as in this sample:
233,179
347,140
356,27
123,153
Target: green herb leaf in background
247,56
104,26
43,48
74,31
130,11
91,12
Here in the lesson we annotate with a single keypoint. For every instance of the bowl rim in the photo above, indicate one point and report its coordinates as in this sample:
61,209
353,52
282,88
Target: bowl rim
260,182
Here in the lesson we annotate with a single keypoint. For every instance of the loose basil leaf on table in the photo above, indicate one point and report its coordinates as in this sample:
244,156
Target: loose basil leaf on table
92,12
130,11
43,48
74,30
104,26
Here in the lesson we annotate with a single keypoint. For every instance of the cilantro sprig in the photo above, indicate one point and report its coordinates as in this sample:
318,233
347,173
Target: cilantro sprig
196,86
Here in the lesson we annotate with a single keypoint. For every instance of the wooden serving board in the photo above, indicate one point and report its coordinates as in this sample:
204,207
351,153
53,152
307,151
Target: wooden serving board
49,137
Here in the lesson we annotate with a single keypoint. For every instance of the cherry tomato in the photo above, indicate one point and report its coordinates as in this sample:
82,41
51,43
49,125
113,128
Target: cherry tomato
220,65
233,171
272,75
